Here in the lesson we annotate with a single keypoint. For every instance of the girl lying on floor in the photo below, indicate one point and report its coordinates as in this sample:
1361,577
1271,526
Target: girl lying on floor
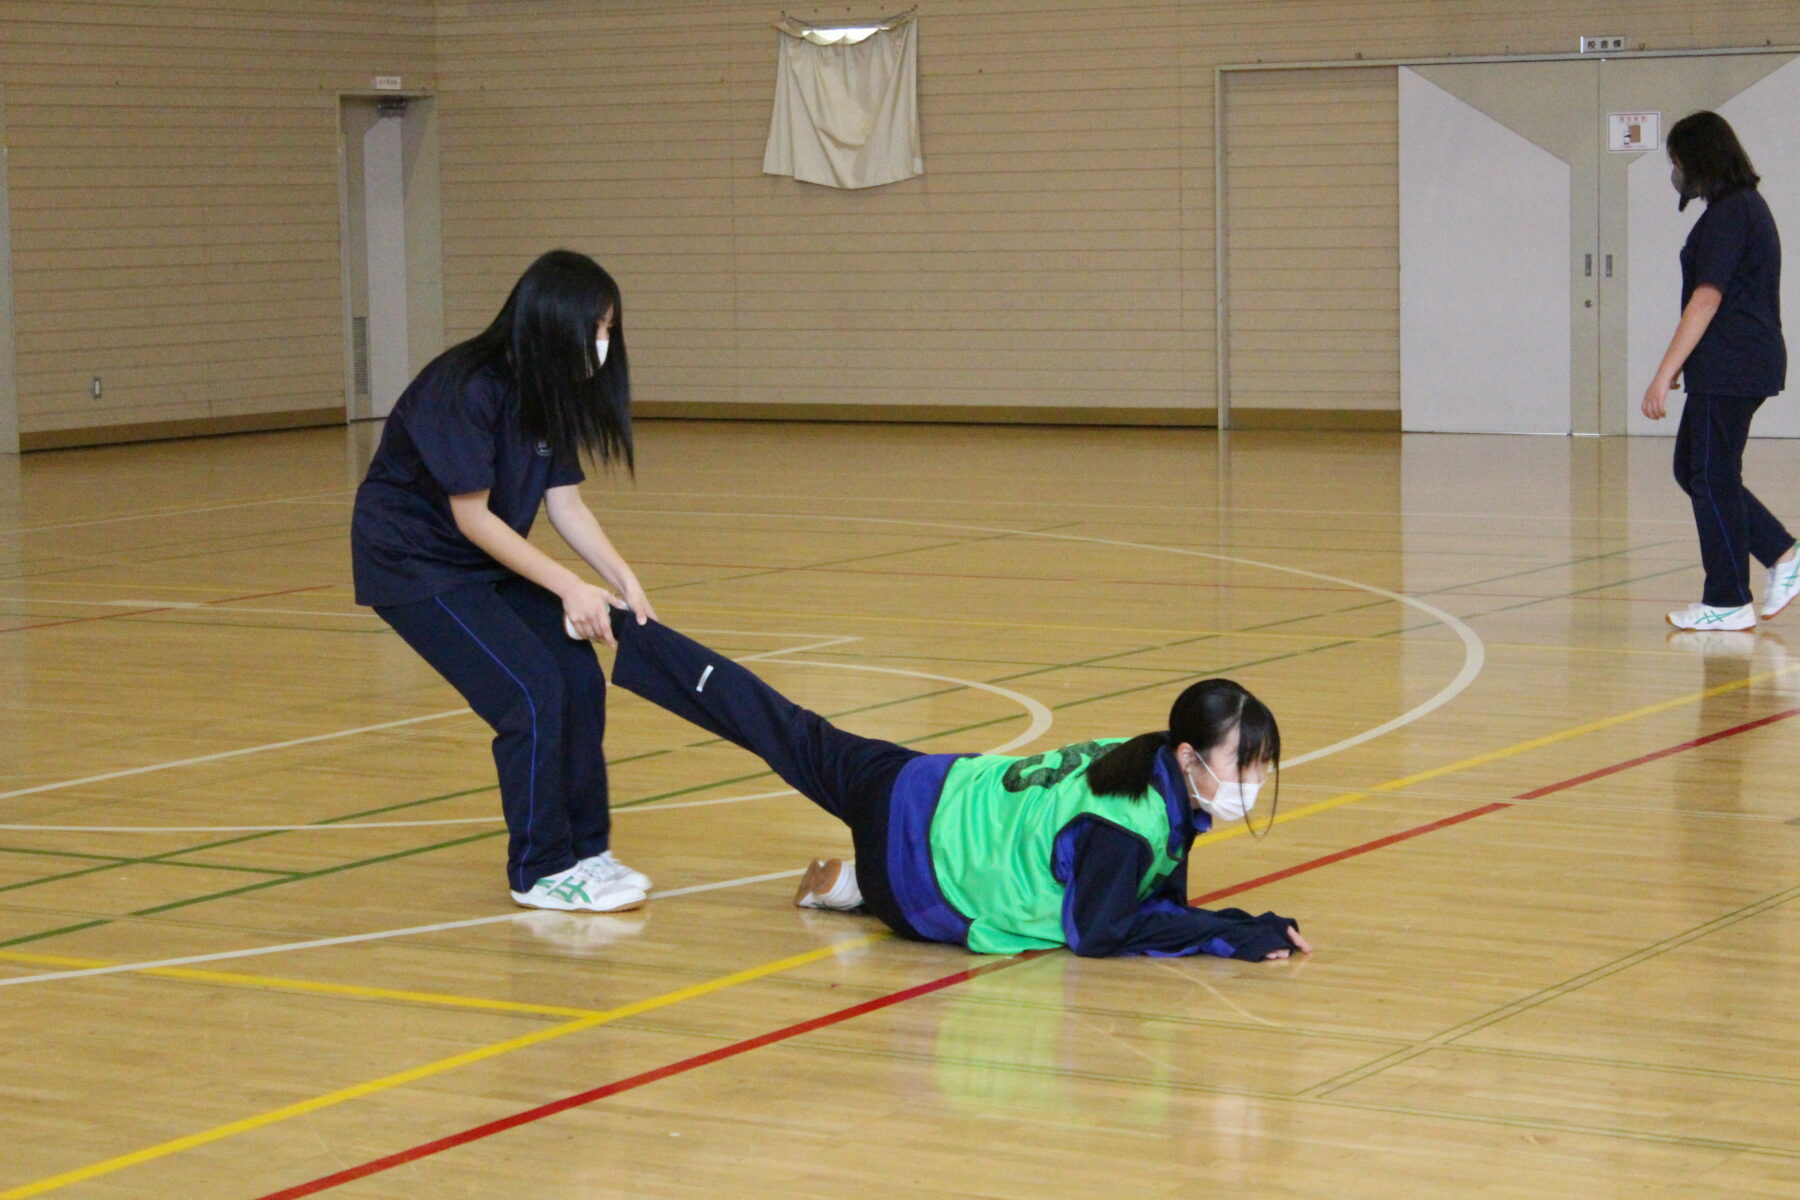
1085,846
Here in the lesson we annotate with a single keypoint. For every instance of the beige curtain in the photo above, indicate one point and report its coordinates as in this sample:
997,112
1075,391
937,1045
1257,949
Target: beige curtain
847,114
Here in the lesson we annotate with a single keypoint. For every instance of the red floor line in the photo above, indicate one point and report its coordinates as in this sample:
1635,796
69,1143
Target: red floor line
1340,855
1639,761
112,616
682,1066
478,1132
463,1137
311,587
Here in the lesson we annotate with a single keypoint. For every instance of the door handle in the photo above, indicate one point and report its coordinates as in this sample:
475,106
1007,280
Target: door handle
1609,266
1587,266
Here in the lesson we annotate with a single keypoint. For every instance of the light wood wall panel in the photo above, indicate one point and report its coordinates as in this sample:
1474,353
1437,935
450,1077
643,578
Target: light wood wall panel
1059,249
1036,263
174,197
175,217
1312,183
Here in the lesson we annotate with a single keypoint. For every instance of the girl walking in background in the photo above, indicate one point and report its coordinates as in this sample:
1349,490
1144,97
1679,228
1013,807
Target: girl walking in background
1729,351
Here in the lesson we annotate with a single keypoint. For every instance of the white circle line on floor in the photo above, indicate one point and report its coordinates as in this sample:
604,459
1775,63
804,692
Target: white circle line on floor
1474,655
334,735
1474,651
1040,721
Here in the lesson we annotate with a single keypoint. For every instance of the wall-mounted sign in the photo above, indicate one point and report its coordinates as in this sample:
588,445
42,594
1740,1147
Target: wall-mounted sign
1630,132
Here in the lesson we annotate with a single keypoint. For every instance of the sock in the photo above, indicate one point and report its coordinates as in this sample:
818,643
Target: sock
844,893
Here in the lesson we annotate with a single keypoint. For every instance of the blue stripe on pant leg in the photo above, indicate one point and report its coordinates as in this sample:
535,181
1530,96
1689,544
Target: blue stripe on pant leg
531,790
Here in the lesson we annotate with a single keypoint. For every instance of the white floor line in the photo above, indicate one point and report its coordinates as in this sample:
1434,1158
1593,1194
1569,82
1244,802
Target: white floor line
697,888
1474,651
355,938
164,512
495,819
257,951
222,755
828,642
200,759
1041,716
1040,722
1038,506
1473,656
212,605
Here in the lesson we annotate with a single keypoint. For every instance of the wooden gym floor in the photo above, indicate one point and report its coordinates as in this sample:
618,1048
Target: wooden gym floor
255,941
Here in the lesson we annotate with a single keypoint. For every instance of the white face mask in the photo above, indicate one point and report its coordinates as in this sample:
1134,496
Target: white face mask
1232,802
601,345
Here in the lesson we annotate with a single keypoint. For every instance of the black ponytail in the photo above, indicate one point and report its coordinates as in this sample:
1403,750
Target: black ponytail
1203,716
1126,769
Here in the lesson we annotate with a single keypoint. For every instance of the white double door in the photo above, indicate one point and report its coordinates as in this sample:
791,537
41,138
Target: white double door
1539,270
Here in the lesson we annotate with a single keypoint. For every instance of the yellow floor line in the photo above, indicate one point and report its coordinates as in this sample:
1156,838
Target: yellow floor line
1537,743
413,1074
425,1071
276,983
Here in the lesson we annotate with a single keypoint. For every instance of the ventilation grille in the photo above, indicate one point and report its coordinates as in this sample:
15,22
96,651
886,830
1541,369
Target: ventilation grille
359,349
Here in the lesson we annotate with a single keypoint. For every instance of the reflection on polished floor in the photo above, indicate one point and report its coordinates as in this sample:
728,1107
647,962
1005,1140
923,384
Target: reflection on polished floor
255,940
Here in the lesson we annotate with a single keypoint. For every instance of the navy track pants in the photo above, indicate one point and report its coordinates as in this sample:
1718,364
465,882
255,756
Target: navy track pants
501,644
1732,523
849,776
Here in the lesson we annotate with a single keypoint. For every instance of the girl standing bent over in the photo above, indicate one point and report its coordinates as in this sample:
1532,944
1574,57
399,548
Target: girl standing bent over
489,431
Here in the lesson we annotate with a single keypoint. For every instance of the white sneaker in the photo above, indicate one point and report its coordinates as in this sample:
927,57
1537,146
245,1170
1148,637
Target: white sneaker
829,883
604,868
1784,585
574,890
1706,618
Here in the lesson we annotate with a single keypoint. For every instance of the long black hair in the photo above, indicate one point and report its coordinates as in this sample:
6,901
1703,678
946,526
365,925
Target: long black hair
543,339
1712,162
1203,716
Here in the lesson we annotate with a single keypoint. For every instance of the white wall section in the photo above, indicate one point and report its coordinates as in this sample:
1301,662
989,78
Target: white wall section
1484,271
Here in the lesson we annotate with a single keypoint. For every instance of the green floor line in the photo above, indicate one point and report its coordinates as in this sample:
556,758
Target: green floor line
765,774
1447,1038
305,876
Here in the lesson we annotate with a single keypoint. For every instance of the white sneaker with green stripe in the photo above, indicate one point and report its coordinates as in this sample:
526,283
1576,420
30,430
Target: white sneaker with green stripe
604,869
1784,585
575,890
1706,617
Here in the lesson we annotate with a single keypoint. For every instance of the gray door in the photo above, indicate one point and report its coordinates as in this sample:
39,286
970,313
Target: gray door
1498,322
1509,191
392,263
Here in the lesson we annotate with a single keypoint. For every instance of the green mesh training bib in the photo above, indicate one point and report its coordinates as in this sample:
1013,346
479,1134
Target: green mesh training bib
995,831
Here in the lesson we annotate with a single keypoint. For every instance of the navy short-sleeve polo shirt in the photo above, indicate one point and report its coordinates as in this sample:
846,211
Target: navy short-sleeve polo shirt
1734,247
438,443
